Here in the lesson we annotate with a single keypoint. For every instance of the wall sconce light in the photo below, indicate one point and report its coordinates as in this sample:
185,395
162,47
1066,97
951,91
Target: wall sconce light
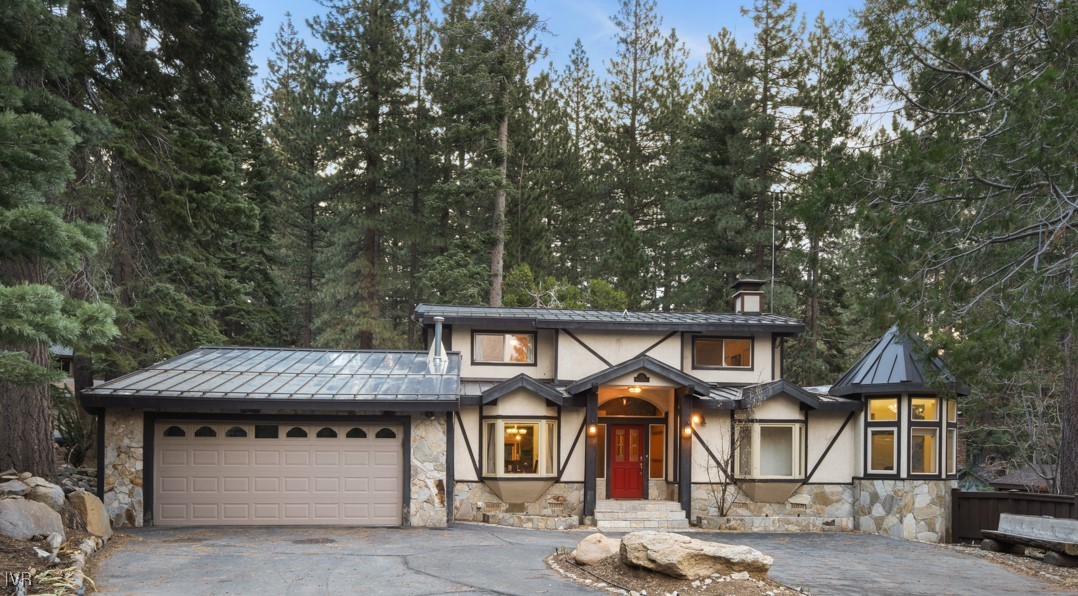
593,429
687,431
698,419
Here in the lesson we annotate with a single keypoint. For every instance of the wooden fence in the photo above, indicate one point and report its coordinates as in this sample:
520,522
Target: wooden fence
973,512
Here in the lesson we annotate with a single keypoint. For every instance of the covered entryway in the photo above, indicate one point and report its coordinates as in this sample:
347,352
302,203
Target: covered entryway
277,473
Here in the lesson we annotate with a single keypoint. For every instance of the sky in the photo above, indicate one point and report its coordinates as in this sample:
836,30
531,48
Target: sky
569,20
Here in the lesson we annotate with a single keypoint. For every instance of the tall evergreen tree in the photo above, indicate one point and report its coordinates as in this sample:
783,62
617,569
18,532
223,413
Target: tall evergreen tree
368,39
303,118
646,102
971,213
41,129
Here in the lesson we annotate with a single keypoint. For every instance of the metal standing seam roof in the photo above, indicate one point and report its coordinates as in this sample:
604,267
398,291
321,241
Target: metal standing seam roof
899,362
299,376
554,318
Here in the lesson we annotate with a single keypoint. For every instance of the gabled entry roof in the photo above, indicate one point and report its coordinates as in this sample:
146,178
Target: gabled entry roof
523,381
639,363
566,318
214,377
898,363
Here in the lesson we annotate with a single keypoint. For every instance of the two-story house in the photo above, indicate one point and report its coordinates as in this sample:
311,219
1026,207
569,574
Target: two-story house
540,418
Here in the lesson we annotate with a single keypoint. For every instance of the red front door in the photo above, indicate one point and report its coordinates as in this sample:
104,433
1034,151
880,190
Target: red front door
626,461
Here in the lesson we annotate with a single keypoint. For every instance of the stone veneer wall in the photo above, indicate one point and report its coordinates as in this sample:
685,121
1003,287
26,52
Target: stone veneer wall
428,508
123,467
908,509
812,508
474,501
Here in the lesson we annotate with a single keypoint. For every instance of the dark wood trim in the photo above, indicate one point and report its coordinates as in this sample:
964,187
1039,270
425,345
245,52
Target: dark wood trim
590,448
520,477
149,484
557,340
468,444
773,420
830,444
533,333
685,456
752,353
656,344
101,456
588,348
557,435
508,417
406,494
482,462
630,420
572,448
726,473
450,468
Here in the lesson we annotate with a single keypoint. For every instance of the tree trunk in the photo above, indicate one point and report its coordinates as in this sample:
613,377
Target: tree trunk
497,254
26,424
1068,446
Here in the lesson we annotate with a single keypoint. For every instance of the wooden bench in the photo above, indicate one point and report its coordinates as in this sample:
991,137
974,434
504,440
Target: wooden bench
1057,537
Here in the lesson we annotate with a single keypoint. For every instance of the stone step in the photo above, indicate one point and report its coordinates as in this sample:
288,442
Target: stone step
659,515
609,505
641,524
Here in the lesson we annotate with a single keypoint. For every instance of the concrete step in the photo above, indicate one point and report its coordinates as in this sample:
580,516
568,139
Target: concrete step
640,524
659,515
615,506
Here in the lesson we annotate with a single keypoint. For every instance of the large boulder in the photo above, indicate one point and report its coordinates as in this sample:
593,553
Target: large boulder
43,491
683,557
14,488
92,512
23,519
595,548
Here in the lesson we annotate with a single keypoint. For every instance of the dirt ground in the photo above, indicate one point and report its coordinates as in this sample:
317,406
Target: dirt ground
611,573
1032,564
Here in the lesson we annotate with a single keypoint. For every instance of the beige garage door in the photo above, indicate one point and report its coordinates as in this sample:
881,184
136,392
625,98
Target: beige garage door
227,473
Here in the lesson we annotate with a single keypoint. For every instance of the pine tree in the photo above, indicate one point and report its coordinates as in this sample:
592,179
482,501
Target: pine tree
303,119
646,104
42,130
368,39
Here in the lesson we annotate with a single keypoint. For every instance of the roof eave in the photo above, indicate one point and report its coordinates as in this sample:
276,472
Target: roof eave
139,402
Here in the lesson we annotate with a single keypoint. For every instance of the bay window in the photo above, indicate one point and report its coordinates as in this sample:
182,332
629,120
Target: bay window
520,448
882,450
769,450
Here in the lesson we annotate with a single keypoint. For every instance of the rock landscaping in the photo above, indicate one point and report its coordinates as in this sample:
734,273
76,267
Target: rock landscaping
48,535
667,563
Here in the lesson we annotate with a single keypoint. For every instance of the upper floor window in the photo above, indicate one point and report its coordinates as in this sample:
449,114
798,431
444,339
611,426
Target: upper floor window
503,348
722,352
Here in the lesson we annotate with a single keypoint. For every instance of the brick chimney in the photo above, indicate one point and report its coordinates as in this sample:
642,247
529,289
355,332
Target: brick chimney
748,296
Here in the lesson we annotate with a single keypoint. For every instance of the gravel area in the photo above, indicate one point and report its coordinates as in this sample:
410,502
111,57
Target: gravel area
1032,564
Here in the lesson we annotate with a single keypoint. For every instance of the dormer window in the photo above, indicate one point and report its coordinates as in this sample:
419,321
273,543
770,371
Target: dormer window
490,347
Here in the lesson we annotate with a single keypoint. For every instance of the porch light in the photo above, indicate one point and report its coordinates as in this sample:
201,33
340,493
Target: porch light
697,419
593,429
687,431
634,389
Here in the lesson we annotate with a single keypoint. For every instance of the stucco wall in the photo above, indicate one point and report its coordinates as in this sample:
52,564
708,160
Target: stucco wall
761,362
123,467
544,355
909,509
576,362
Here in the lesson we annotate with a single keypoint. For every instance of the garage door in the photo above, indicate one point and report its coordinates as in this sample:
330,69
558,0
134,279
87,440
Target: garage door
227,473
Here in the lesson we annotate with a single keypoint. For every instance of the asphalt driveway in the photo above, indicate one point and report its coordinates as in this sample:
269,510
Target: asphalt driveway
491,559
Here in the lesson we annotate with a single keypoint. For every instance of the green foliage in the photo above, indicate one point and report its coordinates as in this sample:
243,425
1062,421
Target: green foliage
77,429
522,289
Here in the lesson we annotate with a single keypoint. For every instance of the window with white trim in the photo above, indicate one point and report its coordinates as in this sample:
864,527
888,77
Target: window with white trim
769,450
882,450
503,348
521,448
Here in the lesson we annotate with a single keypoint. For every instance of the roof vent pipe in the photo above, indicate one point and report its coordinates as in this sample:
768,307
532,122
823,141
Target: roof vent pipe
435,357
